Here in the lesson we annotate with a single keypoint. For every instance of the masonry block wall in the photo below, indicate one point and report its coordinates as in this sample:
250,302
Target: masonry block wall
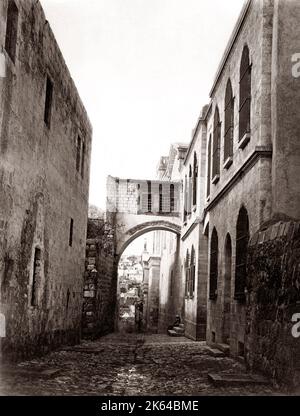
138,196
45,143
170,286
285,98
153,294
100,287
273,298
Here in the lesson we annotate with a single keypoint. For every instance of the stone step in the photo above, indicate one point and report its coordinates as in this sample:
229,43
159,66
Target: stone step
181,326
214,352
173,333
178,329
226,379
224,348
31,372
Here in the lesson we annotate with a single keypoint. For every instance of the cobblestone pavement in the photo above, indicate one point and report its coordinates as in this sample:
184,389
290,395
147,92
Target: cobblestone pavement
126,364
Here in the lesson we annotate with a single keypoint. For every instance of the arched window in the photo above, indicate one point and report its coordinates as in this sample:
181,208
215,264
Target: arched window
68,300
160,198
195,179
213,276
149,196
229,121
227,289
208,167
190,195
172,199
245,94
193,272
242,238
187,272
78,153
35,276
216,147
185,198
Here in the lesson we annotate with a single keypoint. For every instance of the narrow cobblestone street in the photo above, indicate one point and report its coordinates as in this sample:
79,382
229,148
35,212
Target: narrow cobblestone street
127,364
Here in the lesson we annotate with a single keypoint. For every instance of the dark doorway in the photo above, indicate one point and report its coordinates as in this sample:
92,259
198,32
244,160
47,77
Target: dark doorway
227,290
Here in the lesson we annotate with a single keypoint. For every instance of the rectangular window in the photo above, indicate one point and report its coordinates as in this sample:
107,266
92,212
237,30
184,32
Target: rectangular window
160,198
78,153
149,197
35,276
48,102
71,232
11,30
82,159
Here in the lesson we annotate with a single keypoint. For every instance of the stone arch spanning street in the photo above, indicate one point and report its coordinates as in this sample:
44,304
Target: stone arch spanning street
125,238
136,207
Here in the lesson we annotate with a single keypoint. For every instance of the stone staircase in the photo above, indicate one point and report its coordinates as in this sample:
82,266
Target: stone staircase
177,331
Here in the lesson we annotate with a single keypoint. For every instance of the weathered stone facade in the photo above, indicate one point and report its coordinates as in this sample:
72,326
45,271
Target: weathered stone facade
45,143
273,286
257,180
100,283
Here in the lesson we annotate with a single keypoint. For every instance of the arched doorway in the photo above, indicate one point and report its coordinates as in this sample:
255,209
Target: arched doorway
227,289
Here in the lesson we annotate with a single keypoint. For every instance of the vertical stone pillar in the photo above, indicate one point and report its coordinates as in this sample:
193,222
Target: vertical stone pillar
153,294
145,288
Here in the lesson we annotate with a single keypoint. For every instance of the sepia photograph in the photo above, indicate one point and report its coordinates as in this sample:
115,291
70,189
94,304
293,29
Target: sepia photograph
149,201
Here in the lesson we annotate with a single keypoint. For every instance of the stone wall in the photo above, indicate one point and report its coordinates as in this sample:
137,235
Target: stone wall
138,196
273,297
42,193
247,181
99,293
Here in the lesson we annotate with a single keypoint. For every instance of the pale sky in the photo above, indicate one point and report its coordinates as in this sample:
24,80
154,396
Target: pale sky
143,69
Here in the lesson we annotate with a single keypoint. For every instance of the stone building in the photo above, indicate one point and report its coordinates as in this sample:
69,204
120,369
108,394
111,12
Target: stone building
167,246
45,144
239,239
250,130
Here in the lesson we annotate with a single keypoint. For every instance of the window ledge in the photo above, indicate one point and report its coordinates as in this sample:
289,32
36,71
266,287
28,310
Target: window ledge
195,208
215,179
244,141
228,162
207,198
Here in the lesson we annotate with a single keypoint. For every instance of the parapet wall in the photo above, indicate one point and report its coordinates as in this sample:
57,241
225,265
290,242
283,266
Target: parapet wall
137,196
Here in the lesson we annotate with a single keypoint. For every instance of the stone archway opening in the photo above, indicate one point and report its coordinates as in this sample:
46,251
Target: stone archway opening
140,277
134,208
